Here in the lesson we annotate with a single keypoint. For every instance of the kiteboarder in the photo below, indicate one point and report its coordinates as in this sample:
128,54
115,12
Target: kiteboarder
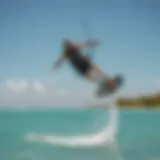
84,66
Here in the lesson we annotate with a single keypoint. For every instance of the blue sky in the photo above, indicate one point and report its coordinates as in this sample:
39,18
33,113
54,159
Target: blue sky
129,30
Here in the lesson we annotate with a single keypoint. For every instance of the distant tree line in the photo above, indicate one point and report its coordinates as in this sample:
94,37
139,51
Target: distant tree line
150,101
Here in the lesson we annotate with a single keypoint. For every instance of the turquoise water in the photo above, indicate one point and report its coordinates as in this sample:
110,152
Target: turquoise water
138,136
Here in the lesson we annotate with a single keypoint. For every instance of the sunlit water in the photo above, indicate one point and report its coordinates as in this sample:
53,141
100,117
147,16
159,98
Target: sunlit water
138,136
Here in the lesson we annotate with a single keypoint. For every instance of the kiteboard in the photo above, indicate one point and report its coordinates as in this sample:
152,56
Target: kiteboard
106,90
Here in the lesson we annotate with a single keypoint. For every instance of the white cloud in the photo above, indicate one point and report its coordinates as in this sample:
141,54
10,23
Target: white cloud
38,87
19,86
35,93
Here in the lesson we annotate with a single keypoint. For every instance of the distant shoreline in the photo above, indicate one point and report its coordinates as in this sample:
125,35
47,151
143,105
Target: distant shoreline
63,109
147,102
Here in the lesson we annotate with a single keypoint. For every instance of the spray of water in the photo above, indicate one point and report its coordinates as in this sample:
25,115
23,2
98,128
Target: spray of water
105,136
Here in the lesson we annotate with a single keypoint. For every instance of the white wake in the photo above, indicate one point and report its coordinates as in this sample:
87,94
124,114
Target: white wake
103,137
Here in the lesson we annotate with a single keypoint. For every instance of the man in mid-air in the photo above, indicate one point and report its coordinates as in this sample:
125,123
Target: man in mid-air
83,65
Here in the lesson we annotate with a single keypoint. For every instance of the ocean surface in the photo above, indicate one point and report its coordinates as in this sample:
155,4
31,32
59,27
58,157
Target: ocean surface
79,134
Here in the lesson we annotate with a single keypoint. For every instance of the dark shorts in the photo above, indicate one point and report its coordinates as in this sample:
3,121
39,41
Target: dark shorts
82,65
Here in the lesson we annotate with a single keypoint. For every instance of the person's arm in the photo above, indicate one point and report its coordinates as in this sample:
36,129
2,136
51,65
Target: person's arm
87,44
59,62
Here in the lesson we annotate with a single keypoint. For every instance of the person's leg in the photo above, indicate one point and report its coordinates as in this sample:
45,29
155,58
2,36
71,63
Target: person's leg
95,75
106,84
